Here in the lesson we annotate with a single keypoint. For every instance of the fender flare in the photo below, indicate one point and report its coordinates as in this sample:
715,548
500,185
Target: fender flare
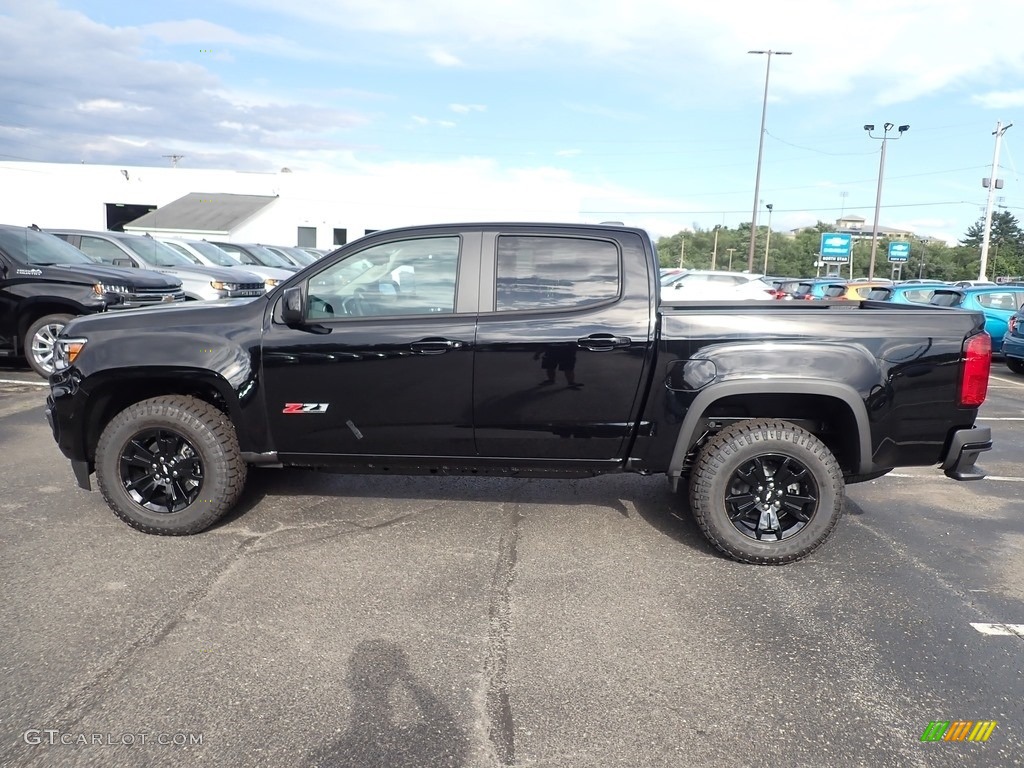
707,397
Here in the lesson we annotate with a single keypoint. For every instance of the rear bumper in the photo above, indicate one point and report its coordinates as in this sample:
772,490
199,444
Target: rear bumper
964,449
1013,346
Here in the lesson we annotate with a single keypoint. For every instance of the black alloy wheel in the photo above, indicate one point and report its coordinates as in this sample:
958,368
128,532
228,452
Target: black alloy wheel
766,491
160,470
771,497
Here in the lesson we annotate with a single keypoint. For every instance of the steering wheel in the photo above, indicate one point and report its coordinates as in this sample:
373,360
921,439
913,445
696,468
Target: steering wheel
354,305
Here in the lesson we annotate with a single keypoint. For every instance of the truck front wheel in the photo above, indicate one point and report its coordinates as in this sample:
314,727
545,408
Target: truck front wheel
170,465
766,492
41,342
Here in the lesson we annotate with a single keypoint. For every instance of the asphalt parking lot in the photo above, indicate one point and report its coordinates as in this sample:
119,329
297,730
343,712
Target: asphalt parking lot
366,621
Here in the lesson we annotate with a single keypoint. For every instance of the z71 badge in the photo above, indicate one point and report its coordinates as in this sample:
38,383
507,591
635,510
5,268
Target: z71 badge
305,408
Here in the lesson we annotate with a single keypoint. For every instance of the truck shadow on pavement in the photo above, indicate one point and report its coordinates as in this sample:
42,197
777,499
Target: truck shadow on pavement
652,501
394,719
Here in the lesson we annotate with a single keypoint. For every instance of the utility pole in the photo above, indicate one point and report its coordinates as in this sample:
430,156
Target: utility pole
885,139
682,249
991,182
174,159
714,251
730,250
760,154
768,239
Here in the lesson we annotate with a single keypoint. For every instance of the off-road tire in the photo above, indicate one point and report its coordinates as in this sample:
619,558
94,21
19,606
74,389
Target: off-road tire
207,430
732,449
57,322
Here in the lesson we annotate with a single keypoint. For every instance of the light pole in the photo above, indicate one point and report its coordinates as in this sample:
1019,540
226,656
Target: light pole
878,195
767,239
730,250
993,183
760,152
714,250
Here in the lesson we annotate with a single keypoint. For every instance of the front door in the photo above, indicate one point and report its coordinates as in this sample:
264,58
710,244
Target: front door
384,365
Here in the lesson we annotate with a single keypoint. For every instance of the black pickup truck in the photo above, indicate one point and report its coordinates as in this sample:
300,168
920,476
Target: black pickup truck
44,282
525,350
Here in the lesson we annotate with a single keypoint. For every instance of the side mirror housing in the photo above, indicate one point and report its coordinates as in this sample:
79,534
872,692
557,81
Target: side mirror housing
124,263
293,306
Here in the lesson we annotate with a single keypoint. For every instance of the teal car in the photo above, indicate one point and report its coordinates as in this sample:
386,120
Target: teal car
997,302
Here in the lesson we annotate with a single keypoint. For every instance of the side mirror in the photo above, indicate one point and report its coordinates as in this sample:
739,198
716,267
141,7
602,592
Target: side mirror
124,263
293,306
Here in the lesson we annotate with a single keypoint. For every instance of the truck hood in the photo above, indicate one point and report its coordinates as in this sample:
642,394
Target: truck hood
206,274
101,273
209,316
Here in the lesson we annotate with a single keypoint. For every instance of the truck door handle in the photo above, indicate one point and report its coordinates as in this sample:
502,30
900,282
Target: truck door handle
603,342
434,346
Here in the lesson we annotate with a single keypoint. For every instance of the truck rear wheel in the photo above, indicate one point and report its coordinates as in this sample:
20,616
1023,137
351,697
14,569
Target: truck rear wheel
41,342
766,492
170,465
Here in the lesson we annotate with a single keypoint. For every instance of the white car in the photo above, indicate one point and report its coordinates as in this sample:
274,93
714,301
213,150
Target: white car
202,252
708,285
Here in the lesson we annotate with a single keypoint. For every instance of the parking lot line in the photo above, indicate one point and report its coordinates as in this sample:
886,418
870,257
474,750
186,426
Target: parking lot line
30,383
1006,381
1000,418
1001,478
999,629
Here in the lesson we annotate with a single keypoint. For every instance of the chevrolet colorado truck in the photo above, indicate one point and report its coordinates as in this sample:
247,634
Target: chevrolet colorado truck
524,350
44,282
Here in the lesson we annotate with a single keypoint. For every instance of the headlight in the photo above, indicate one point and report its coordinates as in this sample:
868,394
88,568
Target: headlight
270,283
66,351
218,285
100,288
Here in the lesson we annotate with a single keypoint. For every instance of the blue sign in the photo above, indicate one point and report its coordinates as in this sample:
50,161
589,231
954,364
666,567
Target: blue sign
899,252
835,247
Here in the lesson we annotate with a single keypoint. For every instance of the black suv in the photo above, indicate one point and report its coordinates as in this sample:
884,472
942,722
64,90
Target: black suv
44,283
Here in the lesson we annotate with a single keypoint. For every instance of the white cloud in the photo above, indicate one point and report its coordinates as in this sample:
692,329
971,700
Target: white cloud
107,105
443,58
1000,99
466,108
901,48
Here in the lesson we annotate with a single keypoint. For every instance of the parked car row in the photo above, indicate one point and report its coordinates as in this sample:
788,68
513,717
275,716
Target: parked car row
48,277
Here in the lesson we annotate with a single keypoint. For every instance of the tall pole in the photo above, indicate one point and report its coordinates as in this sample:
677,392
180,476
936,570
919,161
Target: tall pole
998,133
730,250
878,195
767,239
714,250
878,208
760,153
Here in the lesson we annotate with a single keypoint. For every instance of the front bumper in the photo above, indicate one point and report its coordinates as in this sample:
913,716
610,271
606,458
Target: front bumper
63,412
964,449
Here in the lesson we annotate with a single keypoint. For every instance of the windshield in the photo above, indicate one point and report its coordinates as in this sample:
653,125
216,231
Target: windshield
153,252
879,294
28,246
268,258
301,256
213,253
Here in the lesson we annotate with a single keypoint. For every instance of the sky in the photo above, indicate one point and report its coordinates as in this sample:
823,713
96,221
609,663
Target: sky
646,112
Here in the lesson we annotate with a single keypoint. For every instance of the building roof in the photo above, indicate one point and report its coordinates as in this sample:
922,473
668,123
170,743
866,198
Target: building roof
202,212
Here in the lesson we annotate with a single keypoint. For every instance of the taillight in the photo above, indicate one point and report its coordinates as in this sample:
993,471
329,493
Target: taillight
975,370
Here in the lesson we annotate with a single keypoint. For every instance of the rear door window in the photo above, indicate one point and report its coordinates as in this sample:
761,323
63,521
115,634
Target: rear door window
535,272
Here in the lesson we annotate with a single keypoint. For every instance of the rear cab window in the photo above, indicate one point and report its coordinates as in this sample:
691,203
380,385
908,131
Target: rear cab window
542,273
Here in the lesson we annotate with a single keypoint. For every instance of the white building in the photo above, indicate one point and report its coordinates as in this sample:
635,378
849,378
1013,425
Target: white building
283,208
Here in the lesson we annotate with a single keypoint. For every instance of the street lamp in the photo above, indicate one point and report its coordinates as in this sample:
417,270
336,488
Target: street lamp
714,250
878,195
760,152
767,239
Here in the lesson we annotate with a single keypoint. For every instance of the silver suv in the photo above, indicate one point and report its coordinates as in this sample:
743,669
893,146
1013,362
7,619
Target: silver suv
203,252
198,282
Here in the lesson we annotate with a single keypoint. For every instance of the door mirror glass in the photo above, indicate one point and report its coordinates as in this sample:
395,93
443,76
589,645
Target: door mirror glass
292,306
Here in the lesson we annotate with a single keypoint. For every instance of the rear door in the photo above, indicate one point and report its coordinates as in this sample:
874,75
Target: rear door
562,341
